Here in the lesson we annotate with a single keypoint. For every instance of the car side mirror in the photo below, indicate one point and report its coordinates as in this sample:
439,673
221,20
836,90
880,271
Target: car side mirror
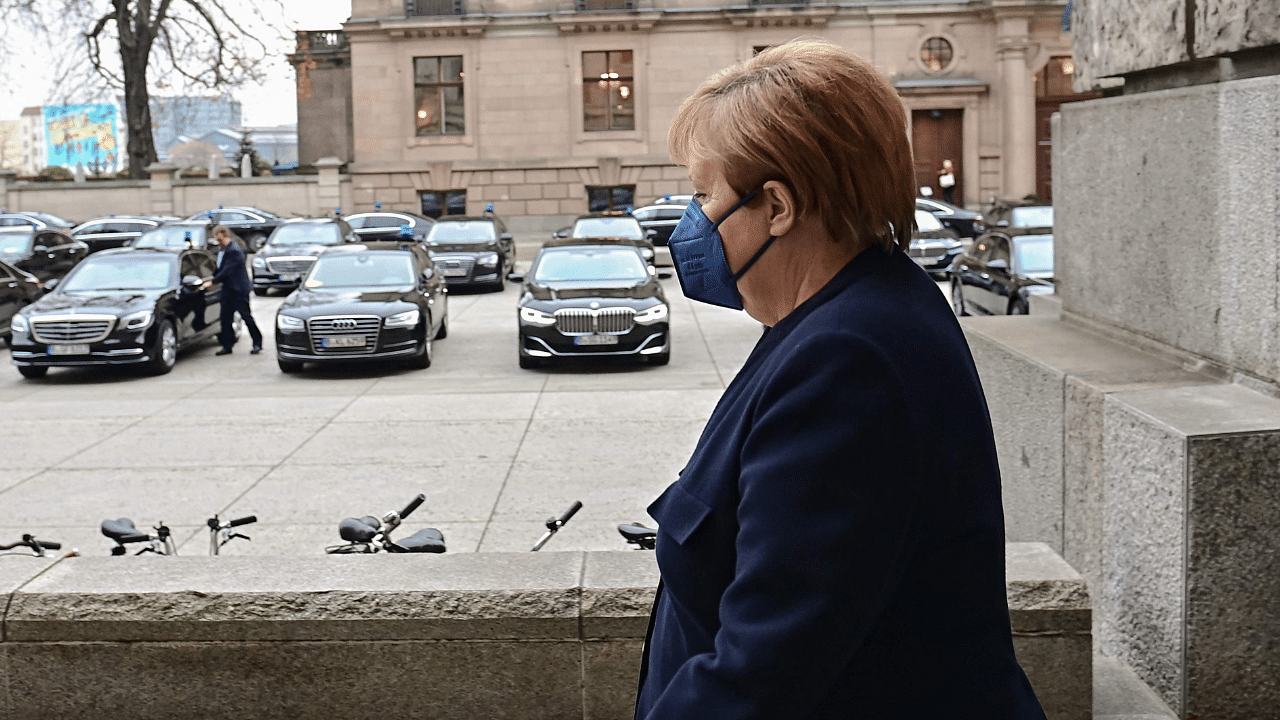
506,236
665,274
515,277
651,233
563,233
998,264
40,248
1002,223
50,284
428,273
191,282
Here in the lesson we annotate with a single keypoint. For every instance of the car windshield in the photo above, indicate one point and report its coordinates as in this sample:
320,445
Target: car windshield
384,269
1039,216
619,227
15,243
1035,254
306,235
926,221
171,236
590,263
477,231
120,273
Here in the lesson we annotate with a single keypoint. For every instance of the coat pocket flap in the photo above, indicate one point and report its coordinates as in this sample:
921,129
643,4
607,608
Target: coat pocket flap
678,512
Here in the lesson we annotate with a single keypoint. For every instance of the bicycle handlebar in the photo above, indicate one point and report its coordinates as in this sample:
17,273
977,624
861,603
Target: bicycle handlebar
246,520
573,510
413,505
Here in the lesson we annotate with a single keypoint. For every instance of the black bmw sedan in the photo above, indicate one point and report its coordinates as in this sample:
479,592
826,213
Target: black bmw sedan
369,301
120,307
291,250
592,296
18,289
47,254
933,247
1002,271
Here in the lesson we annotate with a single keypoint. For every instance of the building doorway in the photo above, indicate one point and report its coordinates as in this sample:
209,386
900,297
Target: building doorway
1053,88
938,135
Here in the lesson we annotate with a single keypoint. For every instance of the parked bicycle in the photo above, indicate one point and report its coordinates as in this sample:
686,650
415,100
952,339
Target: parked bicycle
37,547
369,534
644,538
555,523
161,542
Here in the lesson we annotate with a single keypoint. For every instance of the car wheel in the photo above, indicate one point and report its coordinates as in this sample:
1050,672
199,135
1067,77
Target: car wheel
260,292
957,298
8,339
165,352
1019,307
443,332
289,366
33,372
501,283
529,363
255,241
422,360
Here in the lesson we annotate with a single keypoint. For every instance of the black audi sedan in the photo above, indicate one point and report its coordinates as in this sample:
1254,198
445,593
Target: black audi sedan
472,250
367,301
252,224
291,250
18,289
933,247
1002,272
966,223
130,306
389,225
47,254
592,297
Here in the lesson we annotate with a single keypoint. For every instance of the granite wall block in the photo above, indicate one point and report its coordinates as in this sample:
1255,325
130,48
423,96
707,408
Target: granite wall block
1225,26
1113,37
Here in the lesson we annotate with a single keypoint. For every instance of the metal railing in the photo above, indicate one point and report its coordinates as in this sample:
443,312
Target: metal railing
426,8
322,41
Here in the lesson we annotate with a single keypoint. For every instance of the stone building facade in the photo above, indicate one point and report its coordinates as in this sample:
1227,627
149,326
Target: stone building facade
548,108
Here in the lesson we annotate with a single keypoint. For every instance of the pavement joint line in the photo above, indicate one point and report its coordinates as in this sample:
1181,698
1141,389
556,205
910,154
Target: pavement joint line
706,344
515,456
24,479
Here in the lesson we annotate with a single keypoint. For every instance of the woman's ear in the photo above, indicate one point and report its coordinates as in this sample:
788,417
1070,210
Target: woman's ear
781,205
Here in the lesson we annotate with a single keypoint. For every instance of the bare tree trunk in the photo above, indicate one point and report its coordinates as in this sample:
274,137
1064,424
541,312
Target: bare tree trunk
137,110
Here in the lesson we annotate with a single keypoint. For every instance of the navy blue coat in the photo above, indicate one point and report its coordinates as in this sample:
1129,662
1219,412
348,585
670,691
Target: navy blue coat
232,273
835,546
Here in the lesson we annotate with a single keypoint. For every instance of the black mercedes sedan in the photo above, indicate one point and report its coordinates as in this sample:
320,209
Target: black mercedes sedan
291,250
252,224
47,254
966,223
592,297
179,235
18,289
367,301
472,250
933,247
120,307
115,231
1002,271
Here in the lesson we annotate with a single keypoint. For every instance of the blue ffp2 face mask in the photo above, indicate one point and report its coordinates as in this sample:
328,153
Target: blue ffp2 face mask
698,254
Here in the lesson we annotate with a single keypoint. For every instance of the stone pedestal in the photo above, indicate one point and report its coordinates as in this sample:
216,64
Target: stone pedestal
6,180
162,188
329,188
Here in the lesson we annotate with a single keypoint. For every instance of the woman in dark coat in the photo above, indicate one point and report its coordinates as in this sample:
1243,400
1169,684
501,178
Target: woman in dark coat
835,546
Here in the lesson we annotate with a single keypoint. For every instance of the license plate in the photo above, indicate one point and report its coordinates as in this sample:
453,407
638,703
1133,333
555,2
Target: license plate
453,272
343,341
596,340
288,277
68,349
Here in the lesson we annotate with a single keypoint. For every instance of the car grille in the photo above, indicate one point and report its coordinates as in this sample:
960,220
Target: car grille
608,321
72,329
935,252
457,267
366,326
292,265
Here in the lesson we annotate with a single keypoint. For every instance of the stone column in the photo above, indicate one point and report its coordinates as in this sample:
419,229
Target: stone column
162,188
6,181
1017,94
329,188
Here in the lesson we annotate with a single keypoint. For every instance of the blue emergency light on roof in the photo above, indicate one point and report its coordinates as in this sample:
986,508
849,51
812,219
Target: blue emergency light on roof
667,196
337,211
405,230
377,205
488,208
219,206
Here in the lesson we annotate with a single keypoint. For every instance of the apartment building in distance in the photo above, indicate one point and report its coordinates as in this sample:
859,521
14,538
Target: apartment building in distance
550,108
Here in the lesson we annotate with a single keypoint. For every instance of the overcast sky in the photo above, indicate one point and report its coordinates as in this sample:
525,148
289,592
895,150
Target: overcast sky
272,103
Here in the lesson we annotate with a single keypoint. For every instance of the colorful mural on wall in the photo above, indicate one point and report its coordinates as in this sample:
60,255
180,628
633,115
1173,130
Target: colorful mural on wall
82,134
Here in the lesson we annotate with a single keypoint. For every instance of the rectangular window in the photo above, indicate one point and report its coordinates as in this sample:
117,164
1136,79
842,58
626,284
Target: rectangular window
444,202
611,199
608,91
437,96
422,8
585,5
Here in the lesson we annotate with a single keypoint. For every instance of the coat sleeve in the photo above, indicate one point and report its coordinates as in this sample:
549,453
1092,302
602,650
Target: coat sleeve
828,490
232,258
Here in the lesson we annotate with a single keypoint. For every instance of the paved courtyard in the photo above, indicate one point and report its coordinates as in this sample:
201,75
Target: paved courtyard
495,449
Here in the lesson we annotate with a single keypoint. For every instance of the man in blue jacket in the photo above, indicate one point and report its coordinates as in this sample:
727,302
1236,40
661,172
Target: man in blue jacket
235,292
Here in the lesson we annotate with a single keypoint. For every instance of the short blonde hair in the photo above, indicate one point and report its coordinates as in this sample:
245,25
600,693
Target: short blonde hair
822,121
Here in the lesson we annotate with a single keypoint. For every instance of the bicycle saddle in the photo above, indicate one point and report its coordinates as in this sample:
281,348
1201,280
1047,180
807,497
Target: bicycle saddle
427,540
122,531
638,534
359,529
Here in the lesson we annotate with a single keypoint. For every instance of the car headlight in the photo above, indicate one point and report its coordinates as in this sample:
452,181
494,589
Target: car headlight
288,322
408,318
259,262
652,315
18,324
487,259
536,317
138,320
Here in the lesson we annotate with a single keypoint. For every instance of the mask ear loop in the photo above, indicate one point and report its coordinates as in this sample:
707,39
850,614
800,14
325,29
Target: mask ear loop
745,199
